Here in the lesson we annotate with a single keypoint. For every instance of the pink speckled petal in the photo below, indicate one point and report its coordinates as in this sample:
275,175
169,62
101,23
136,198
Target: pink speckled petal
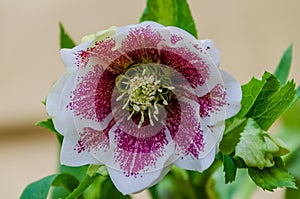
133,184
70,156
90,101
69,56
134,155
200,159
234,94
56,104
201,164
222,101
211,50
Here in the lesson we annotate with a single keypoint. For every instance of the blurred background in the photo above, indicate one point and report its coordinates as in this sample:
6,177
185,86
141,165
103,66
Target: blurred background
251,35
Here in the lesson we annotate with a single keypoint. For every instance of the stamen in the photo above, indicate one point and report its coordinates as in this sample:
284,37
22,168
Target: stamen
144,91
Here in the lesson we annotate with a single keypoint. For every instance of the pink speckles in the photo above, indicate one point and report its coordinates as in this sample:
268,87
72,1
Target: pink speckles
79,147
212,101
91,98
135,155
187,63
185,128
93,140
141,37
197,145
175,38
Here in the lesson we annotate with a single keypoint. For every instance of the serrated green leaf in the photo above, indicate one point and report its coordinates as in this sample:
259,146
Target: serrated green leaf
65,40
48,124
170,13
283,69
273,177
293,193
232,135
264,100
229,168
268,109
255,90
38,189
66,180
258,148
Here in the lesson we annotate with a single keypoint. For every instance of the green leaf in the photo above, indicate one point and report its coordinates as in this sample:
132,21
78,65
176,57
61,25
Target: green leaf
65,40
283,69
232,135
66,180
255,90
264,100
170,13
38,189
229,168
108,190
266,111
258,148
271,178
48,124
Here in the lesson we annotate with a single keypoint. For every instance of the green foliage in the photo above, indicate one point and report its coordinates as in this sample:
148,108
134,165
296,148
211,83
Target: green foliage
283,69
40,188
108,190
264,100
229,168
170,13
65,180
65,40
257,148
232,135
48,124
271,178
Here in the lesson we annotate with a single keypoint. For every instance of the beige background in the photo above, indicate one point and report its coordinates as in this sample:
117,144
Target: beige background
251,36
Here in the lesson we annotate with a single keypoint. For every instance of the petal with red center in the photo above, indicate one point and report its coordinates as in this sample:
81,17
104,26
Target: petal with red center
57,102
133,184
199,159
94,140
201,164
185,127
69,56
222,102
136,155
71,155
141,36
213,105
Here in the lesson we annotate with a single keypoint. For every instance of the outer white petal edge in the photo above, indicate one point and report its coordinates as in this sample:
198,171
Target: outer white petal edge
234,94
211,50
71,157
200,165
134,184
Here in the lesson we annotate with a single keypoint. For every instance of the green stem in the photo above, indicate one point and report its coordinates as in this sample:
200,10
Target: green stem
87,181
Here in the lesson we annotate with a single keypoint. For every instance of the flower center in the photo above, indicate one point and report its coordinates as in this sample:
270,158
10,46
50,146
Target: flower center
142,90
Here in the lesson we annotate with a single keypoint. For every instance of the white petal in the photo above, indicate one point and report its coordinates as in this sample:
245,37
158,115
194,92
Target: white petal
137,183
234,94
200,164
71,157
212,137
57,101
69,55
181,32
211,50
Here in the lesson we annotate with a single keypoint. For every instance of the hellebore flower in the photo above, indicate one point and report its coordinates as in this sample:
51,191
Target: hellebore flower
140,98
